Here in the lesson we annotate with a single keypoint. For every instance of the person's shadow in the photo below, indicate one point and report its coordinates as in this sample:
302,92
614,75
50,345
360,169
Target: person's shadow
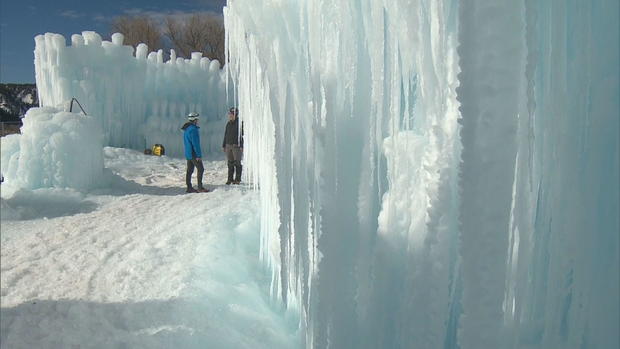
59,202
118,186
34,204
174,323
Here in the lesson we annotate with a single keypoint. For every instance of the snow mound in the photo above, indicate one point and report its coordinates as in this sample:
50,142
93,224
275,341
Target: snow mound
56,149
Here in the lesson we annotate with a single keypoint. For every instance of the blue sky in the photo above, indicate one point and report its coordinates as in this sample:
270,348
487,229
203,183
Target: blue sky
21,21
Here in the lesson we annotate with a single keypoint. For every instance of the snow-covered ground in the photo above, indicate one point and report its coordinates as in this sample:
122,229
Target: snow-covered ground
137,264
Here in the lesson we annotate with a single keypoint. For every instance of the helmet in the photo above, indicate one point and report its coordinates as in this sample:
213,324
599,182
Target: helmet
192,116
234,111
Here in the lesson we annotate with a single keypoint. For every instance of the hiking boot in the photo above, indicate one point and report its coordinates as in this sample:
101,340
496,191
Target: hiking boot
203,190
231,173
236,182
191,190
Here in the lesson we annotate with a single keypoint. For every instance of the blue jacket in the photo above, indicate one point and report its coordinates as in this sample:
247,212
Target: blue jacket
191,140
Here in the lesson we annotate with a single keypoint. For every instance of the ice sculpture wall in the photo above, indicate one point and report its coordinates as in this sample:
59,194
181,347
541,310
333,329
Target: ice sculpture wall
435,174
139,100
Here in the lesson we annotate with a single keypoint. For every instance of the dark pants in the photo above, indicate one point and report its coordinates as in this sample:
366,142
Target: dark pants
190,170
234,155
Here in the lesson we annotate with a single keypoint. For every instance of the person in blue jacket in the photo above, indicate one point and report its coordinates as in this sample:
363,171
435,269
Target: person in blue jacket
193,154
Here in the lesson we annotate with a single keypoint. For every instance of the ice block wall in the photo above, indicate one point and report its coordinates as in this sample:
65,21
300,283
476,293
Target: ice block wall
435,174
140,100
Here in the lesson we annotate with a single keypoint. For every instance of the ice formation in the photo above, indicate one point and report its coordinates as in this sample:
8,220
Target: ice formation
56,149
139,100
435,174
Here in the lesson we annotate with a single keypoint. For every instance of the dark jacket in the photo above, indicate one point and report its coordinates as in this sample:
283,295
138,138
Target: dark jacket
231,136
191,140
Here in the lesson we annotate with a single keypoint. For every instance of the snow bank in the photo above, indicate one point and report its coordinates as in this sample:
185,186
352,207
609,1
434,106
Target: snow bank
55,149
399,211
139,100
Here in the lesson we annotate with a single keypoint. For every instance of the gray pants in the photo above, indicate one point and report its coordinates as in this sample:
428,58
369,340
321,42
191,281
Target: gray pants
190,170
234,156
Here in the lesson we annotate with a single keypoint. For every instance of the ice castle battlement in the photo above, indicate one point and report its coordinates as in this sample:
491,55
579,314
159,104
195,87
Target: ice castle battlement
139,98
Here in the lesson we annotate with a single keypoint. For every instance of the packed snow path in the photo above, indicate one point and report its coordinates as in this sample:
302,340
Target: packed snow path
137,265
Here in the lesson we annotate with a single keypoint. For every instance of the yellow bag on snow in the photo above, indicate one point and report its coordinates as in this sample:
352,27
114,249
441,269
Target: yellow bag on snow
158,150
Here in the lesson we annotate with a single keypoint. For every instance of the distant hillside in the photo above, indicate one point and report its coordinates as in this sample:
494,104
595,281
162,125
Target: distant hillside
16,99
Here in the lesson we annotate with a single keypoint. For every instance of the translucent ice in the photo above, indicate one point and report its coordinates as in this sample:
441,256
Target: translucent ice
434,175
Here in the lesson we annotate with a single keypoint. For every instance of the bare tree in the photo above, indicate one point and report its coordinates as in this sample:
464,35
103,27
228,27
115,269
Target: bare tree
139,29
197,33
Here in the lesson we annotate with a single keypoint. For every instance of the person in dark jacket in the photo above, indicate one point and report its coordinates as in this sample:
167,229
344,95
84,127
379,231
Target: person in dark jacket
193,154
233,146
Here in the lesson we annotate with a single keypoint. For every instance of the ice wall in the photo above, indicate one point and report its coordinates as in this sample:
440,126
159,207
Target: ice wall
56,149
435,174
562,284
357,172
140,100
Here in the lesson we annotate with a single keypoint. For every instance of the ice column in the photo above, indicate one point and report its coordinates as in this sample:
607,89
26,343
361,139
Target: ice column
352,137
492,62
